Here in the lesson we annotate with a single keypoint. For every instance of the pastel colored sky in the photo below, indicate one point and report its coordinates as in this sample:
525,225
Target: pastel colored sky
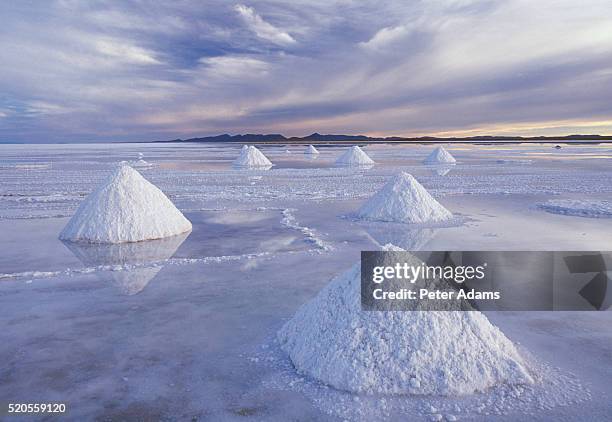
145,70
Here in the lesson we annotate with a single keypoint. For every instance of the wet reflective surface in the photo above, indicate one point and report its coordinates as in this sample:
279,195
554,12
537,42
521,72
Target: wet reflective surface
172,330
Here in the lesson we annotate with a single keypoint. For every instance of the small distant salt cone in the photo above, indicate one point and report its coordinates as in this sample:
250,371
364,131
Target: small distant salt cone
141,163
354,157
404,200
440,156
252,157
334,341
125,208
244,148
311,150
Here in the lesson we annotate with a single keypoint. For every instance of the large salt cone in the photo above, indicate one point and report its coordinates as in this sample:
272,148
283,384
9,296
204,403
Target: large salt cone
355,157
403,199
125,208
334,341
251,157
440,156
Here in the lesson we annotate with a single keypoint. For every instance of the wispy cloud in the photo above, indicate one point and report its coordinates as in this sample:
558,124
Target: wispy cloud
125,52
386,36
261,28
45,108
232,67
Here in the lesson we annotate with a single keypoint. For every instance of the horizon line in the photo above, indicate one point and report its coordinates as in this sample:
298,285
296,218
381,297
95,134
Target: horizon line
373,137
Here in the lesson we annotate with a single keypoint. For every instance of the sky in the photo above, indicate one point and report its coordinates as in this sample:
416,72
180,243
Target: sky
97,71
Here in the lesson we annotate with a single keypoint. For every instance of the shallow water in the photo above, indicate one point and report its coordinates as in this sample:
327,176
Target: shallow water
181,331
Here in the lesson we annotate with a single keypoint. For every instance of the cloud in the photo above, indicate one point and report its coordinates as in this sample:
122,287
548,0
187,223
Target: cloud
261,28
232,67
132,21
125,52
42,107
386,36
115,71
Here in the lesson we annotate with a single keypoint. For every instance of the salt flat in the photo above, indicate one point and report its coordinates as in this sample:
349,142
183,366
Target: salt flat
190,331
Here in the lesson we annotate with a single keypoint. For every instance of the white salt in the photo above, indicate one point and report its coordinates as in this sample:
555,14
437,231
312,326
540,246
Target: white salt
440,156
579,207
141,164
442,170
125,208
408,238
334,341
251,157
354,157
311,150
403,199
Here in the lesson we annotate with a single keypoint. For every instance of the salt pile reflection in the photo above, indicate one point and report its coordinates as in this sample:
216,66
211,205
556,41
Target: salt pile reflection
131,265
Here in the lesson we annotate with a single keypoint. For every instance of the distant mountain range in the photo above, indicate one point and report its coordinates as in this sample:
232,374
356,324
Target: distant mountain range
277,137
318,138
